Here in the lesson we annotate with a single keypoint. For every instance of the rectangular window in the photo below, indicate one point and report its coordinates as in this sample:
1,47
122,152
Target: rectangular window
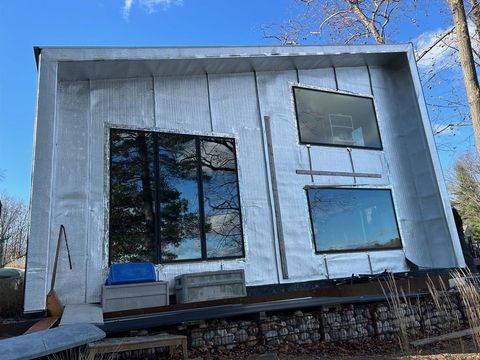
173,198
353,219
329,118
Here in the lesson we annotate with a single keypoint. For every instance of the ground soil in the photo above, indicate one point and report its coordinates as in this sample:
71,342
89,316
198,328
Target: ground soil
451,350
361,350
14,326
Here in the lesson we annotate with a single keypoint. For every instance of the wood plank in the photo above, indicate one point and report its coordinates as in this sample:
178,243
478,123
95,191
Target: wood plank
138,343
42,324
449,336
141,340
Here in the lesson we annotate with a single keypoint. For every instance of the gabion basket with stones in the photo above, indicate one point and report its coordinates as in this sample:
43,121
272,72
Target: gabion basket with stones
335,323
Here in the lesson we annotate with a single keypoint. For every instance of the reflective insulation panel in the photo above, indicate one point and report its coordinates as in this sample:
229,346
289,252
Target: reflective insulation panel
163,155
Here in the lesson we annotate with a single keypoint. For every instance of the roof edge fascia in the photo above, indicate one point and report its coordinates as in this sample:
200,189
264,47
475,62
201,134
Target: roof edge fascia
59,53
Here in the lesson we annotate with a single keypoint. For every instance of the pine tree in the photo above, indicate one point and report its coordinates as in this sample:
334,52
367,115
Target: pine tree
466,191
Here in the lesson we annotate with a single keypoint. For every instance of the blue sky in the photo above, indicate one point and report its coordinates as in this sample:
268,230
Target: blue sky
24,24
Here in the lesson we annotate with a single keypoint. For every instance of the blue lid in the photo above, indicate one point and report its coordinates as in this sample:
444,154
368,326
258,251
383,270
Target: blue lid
131,273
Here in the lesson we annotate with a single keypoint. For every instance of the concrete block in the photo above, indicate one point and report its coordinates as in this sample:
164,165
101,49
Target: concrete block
134,296
210,285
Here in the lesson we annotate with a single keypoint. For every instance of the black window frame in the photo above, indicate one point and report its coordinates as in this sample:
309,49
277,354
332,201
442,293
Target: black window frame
355,250
336,93
157,234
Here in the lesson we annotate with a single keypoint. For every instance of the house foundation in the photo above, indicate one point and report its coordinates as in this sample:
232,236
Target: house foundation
418,316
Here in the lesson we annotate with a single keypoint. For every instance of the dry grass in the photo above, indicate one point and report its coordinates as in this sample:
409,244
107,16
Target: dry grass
70,354
397,302
444,305
80,353
470,296
442,300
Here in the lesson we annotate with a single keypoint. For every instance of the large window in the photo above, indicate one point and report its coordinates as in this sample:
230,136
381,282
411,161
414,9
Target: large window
352,219
173,198
328,118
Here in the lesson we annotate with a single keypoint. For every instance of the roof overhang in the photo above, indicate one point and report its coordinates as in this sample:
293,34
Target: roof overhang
85,63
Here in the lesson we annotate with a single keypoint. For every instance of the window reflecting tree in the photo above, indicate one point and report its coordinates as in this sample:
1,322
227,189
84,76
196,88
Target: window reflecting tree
353,219
178,196
132,223
177,191
222,207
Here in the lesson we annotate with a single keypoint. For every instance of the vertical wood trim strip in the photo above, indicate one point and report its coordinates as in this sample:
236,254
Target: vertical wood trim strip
276,200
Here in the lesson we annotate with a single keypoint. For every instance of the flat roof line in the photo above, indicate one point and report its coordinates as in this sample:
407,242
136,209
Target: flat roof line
77,53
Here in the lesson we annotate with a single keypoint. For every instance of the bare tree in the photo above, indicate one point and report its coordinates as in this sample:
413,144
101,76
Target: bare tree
467,63
363,21
465,188
445,91
13,229
344,21
476,16
439,59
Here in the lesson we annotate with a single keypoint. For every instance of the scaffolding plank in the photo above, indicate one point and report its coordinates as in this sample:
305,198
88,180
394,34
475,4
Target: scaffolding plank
46,342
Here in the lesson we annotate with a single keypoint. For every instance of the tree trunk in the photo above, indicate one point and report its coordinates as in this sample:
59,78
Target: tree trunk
369,23
147,193
468,65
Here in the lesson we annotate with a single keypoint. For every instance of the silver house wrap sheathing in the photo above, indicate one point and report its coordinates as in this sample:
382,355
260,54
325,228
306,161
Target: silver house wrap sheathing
293,164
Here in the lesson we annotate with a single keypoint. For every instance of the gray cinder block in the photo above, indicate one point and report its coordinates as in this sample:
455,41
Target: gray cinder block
134,296
211,285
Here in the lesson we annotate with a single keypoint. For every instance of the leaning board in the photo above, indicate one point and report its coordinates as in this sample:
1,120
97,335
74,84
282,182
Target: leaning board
46,342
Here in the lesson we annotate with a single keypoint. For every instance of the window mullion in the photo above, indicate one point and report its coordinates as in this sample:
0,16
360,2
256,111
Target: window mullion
200,199
156,162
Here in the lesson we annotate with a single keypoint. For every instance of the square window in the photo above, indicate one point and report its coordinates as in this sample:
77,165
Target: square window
173,198
329,118
353,219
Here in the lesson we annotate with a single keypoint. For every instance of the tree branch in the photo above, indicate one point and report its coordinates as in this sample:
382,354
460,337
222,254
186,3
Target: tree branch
435,43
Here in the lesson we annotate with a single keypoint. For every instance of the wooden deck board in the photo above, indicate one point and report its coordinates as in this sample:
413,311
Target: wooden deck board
42,324
449,336
138,343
